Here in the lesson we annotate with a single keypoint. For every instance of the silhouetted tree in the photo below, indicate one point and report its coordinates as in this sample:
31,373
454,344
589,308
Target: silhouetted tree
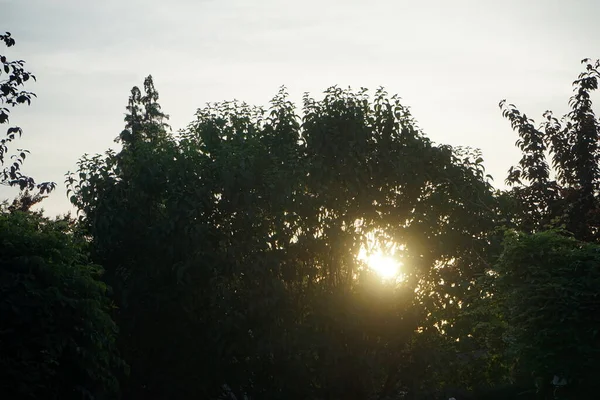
572,142
233,246
12,77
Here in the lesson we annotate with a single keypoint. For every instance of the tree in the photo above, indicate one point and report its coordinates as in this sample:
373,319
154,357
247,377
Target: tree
572,141
129,188
540,293
233,247
12,95
145,120
57,339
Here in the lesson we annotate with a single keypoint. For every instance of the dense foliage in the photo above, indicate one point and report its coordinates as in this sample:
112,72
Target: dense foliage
547,286
57,340
240,238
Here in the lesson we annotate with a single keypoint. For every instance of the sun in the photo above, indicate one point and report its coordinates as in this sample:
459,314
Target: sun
385,266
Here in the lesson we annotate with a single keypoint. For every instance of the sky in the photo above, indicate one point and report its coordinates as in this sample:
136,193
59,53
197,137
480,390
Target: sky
451,62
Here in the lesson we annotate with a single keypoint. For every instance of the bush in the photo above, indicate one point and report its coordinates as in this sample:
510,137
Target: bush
548,284
57,339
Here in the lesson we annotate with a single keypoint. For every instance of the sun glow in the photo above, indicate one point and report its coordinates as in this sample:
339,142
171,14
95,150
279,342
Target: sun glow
386,267
381,255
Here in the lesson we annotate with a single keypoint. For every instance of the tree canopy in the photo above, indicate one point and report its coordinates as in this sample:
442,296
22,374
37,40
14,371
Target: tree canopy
241,237
562,191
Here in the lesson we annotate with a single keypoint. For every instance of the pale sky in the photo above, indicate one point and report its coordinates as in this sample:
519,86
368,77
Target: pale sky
450,61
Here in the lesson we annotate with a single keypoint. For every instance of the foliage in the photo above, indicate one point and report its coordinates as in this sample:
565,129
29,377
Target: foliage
546,282
571,200
24,201
233,246
547,285
12,95
57,339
